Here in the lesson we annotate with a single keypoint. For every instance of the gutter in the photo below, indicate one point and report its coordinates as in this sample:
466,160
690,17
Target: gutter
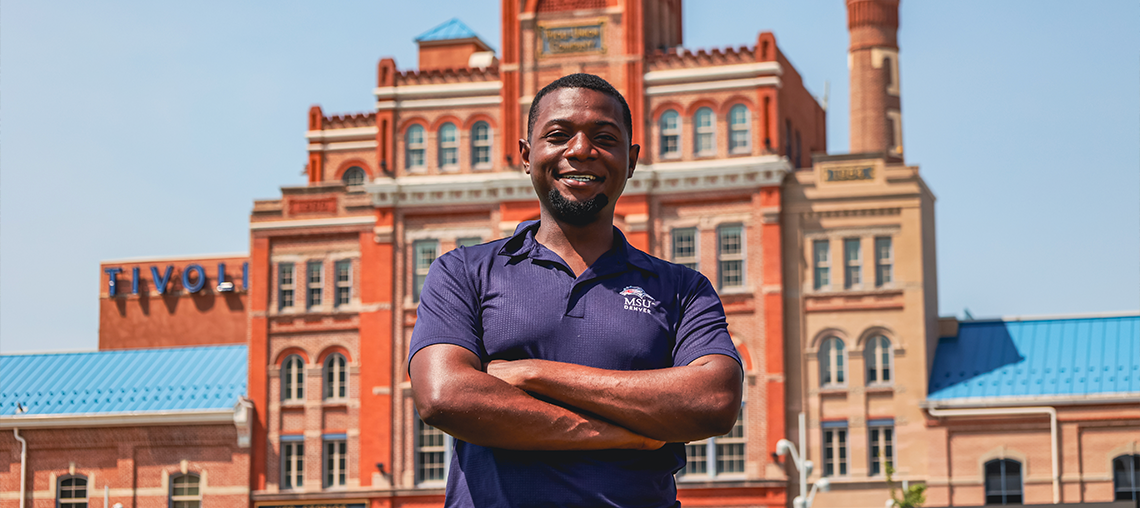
23,463
1008,411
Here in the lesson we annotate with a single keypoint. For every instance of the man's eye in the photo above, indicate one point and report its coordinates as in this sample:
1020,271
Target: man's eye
556,135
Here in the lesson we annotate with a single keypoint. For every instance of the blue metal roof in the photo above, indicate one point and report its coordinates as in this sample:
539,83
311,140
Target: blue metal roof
451,30
991,361
123,381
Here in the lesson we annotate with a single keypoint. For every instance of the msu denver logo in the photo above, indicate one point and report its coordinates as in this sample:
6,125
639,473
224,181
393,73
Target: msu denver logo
637,300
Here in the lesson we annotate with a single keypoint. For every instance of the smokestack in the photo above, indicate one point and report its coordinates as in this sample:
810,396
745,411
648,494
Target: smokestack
873,60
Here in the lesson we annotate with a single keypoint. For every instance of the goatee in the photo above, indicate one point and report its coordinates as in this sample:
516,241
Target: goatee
576,213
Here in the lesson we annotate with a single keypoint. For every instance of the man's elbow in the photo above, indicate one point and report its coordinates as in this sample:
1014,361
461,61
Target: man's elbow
722,412
433,406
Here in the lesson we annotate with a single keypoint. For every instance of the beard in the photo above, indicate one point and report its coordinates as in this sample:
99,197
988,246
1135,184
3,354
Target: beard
576,213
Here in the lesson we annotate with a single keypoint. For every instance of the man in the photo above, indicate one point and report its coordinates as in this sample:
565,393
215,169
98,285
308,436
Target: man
562,359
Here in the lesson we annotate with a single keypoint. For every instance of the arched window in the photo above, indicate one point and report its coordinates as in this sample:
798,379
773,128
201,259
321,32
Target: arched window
448,146
1126,477
704,142
670,125
414,147
832,358
877,354
354,176
336,377
72,492
739,129
184,492
481,145
293,379
1003,482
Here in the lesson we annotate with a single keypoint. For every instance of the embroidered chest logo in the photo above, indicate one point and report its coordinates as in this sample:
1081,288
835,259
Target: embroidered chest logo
637,300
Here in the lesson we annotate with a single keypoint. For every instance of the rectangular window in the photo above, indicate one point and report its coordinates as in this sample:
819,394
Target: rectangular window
685,247
433,453
343,282
717,456
882,438
884,261
285,285
336,462
292,462
821,258
468,241
423,253
834,448
730,256
853,264
315,281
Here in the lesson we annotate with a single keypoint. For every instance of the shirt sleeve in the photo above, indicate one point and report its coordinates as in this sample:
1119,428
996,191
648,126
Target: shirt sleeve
449,308
702,328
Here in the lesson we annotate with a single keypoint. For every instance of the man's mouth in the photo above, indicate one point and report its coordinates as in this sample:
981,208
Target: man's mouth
580,178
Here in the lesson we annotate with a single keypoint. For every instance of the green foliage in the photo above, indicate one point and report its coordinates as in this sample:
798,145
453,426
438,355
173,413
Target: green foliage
912,497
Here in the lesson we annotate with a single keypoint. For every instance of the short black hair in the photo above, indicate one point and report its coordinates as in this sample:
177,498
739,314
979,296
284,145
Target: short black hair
580,80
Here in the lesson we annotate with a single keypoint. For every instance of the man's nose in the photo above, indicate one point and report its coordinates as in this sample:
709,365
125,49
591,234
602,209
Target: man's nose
581,148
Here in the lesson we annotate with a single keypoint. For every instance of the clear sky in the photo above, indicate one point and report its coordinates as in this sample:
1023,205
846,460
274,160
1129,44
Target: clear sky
133,129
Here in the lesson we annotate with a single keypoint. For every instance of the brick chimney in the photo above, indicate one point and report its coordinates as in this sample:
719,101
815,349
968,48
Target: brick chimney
873,60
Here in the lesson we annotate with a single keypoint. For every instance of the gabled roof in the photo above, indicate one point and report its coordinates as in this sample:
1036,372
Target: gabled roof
451,30
124,381
1074,358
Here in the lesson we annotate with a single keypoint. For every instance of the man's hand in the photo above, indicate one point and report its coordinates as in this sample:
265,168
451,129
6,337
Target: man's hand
453,394
677,404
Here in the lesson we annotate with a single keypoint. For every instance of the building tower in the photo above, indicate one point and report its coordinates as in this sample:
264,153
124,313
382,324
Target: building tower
873,60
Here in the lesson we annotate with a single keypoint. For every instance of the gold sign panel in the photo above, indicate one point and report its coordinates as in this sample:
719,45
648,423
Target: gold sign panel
570,40
849,174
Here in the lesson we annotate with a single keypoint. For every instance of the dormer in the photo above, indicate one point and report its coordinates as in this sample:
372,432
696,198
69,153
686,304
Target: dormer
453,45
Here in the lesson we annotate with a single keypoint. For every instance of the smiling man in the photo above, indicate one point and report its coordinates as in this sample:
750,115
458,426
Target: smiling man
570,366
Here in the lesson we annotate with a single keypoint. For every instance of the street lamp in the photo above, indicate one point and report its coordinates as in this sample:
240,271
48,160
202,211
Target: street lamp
785,447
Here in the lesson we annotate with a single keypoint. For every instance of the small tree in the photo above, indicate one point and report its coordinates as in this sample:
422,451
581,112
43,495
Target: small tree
912,497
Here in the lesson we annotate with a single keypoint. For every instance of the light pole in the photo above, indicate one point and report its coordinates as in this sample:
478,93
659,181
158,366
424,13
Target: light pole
785,447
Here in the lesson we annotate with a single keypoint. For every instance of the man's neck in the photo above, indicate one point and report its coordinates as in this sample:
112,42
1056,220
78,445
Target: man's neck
578,246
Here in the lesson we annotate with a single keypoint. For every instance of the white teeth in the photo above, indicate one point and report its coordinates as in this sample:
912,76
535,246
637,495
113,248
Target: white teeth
581,178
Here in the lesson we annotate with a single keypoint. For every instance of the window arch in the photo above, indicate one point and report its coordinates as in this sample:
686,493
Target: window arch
704,132
414,147
354,176
1003,482
832,362
739,129
293,379
879,359
71,492
481,145
1126,477
185,491
448,146
670,125
336,377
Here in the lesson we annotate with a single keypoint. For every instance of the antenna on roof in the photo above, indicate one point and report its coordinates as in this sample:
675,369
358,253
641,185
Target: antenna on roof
966,312
826,92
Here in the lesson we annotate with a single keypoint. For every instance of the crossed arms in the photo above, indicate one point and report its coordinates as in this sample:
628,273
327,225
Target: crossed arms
505,404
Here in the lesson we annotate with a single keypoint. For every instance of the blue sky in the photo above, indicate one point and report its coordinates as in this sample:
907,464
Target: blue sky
148,129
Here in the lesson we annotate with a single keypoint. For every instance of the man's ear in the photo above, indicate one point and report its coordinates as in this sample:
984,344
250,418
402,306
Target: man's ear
524,154
634,152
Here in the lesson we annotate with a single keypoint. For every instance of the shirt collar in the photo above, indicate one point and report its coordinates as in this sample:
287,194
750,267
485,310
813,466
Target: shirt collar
522,243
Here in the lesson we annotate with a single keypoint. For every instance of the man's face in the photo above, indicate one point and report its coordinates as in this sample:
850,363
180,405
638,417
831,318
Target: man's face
579,155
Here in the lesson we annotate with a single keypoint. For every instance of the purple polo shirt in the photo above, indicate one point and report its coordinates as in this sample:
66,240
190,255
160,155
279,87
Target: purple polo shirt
513,299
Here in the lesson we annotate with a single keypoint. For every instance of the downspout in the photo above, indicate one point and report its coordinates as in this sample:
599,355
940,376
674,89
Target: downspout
23,463
1005,411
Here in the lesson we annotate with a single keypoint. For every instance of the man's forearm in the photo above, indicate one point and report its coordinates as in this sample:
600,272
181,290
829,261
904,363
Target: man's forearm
483,410
677,404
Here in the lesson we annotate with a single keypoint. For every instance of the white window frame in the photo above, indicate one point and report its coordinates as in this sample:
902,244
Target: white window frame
442,451
874,354
833,364
314,289
481,145
420,269
692,261
292,462
342,286
881,435
72,502
743,125
836,440
293,371
186,500
350,174
852,266
286,287
1004,493
1132,473
670,134
448,143
725,259
711,451
334,449
703,132
336,377
415,148
821,265
884,264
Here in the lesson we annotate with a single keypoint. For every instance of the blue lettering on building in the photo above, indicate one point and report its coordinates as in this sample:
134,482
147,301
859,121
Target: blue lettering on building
191,283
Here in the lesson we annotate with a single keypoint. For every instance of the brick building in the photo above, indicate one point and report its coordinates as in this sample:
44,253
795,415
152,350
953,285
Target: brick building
825,264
